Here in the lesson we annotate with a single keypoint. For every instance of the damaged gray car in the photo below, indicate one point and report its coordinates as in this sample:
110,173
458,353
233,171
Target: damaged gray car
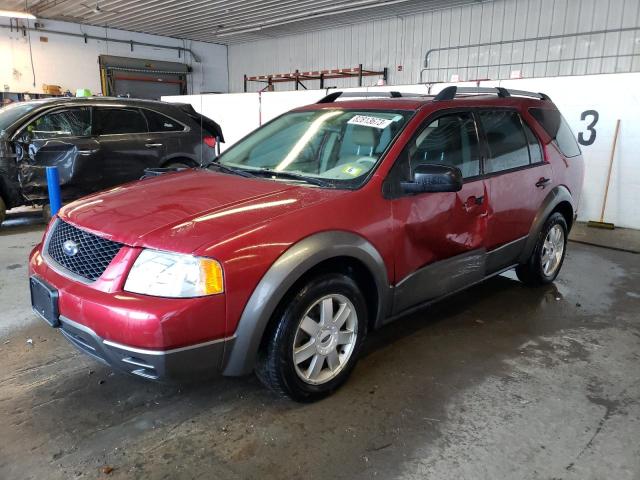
96,143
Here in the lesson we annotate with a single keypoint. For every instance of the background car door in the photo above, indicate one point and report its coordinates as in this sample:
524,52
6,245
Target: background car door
126,146
61,138
177,145
514,171
439,237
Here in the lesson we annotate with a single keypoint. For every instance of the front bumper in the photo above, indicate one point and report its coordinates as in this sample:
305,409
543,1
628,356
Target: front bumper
151,337
194,361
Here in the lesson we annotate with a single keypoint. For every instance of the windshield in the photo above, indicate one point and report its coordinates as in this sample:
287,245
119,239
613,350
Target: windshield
13,111
339,147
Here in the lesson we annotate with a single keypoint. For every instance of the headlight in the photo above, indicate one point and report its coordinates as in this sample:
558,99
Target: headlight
164,274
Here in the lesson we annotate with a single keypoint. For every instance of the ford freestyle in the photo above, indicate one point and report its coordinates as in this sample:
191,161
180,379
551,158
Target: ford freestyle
325,223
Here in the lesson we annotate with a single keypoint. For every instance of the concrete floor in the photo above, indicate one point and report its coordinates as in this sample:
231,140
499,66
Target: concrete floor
625,239
498,382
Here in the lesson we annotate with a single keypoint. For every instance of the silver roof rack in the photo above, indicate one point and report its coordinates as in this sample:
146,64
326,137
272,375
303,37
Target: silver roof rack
449,93
332,97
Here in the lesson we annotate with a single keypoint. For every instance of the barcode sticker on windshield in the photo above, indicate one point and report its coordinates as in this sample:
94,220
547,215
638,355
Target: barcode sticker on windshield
367,121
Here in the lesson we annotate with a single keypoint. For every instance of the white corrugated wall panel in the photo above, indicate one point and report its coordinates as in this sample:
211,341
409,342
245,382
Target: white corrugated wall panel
403,41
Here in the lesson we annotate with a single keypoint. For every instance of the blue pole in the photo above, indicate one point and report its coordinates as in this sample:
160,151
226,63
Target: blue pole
53,185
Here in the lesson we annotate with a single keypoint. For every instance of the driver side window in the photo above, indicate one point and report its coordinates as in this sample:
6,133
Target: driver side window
448,140
74,122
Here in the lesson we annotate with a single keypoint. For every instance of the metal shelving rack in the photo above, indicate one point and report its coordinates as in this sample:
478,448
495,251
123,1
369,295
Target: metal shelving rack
298,77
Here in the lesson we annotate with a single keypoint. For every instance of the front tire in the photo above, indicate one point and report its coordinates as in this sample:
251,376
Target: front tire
314,343
548,254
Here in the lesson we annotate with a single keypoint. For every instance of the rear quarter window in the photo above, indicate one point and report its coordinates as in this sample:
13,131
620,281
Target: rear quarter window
161,123
556,126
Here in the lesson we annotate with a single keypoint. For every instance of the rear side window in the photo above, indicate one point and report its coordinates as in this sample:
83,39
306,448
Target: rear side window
508,146
161,123
558,129
534,145
116,121
74,122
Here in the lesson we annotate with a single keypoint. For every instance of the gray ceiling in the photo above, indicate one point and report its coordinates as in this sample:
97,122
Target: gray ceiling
224,21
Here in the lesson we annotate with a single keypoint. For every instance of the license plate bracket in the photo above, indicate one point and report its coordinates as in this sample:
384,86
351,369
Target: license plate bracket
44,301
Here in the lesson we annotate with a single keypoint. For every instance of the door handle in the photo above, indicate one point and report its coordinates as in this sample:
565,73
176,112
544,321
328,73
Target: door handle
542,182
88,152
152,145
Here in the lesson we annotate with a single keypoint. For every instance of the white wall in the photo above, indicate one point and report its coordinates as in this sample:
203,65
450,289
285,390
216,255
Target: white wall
403,41
613,96
72,64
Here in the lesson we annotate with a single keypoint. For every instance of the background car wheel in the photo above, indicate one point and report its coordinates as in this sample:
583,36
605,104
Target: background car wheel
546,260
314,343
3,210
46,213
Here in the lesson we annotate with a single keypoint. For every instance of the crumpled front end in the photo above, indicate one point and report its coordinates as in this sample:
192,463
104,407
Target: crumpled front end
9,183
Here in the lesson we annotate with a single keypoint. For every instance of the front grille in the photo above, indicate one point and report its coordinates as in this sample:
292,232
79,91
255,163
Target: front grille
93,254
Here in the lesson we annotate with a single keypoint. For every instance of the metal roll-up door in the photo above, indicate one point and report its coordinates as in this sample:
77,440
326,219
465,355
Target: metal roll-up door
139,78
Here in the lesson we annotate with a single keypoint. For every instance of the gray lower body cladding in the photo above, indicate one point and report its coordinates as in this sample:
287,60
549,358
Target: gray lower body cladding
193,362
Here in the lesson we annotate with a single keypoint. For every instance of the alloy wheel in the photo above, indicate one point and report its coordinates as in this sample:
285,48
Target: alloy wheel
325,339
552,250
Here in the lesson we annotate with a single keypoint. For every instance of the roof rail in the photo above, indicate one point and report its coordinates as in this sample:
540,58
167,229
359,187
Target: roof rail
449,93
332,97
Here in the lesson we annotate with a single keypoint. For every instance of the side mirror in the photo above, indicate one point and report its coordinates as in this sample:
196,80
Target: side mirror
434,178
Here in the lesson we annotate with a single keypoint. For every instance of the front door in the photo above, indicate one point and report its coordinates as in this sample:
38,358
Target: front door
126,146
439,237
60,138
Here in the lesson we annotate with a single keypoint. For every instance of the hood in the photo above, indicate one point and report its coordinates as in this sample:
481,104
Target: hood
183,211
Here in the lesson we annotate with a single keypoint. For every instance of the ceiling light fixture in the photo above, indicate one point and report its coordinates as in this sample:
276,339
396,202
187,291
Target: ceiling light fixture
11,14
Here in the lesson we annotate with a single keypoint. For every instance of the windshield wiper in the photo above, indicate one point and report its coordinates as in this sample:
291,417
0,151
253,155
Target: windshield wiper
293,176
227,169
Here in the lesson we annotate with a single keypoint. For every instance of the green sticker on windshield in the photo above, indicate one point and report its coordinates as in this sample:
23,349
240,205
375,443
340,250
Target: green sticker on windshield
353,171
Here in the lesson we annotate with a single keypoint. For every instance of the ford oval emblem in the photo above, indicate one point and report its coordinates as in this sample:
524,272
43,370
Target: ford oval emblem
70,248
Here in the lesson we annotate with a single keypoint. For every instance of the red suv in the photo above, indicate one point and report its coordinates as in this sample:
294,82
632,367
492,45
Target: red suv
329,221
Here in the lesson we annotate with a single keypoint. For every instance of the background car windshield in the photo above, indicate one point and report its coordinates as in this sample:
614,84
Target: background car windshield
13,112
336,145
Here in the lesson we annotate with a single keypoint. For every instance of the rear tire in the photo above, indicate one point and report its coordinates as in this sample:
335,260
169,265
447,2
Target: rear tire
314,343
3,210
548,254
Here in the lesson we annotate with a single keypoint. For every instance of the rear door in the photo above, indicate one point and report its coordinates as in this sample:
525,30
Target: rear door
517,177
177,144
439,237
126,145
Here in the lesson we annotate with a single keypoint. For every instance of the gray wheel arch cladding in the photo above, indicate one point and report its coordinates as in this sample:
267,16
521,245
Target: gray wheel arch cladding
554,198
282,275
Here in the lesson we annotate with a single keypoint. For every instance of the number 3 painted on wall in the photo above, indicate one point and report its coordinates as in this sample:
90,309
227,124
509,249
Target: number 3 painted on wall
592,131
